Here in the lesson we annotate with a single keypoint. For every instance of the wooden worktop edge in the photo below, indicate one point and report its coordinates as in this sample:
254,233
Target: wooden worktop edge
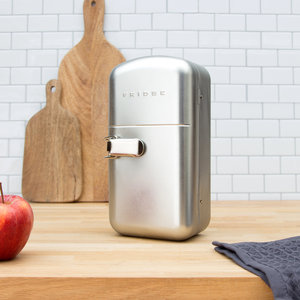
134,288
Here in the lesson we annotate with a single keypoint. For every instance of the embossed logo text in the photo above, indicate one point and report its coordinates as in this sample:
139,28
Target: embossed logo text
135,94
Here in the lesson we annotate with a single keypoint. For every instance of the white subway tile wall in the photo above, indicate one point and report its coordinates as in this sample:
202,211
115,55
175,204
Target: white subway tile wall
251,49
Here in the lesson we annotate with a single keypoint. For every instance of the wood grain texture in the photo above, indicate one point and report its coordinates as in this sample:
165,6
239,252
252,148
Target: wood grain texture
73,253
52,168
136,288
84,73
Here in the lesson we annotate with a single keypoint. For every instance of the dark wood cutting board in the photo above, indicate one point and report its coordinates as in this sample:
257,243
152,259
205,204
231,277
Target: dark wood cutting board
84,73
52,168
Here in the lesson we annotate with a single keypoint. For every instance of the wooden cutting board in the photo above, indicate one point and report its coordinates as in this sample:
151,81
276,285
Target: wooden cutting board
84,73
52,168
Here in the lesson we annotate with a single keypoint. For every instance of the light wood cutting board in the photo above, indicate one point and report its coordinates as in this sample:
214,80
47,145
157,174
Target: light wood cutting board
84,73
52,168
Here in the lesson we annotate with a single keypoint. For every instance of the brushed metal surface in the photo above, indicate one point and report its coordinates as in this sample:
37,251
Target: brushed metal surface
165,102
136,92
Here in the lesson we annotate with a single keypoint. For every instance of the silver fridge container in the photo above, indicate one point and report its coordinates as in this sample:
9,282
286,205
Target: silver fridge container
159,148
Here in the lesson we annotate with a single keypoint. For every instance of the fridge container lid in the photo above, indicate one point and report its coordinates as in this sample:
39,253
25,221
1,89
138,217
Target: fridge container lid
152,91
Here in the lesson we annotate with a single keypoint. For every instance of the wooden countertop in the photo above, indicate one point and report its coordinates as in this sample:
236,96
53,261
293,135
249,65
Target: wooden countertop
73,253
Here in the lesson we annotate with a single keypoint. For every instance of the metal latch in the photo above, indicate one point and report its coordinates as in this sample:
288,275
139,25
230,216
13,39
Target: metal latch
117,147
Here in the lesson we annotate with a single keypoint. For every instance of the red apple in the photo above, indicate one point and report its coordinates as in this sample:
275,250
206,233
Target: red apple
16,220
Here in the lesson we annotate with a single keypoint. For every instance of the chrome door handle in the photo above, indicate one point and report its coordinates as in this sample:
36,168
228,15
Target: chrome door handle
118,147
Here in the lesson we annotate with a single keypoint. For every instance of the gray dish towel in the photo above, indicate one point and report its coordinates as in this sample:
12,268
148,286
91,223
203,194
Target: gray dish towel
277,263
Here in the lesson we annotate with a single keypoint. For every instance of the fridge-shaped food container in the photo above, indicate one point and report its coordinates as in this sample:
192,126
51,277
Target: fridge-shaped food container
159,148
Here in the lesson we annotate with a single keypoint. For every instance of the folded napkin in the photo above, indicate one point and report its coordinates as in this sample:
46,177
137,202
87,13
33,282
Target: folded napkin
276,262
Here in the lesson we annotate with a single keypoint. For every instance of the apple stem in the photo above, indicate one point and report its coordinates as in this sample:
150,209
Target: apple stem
1,192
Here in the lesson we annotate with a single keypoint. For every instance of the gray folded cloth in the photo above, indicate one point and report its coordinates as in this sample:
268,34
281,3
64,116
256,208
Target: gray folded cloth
276,262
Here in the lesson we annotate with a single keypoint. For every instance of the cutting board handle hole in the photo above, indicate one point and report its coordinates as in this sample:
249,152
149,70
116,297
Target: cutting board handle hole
53,89
93,3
